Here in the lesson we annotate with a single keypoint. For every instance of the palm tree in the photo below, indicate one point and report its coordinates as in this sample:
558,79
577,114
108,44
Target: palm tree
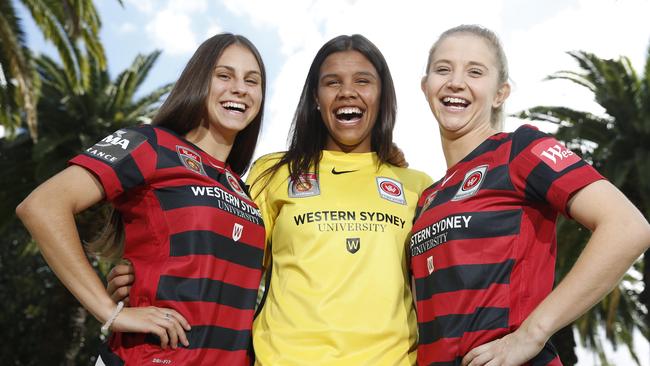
68,24
72,118
617,145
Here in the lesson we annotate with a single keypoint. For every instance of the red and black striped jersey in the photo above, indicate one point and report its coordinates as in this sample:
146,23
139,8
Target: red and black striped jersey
483,246
195,238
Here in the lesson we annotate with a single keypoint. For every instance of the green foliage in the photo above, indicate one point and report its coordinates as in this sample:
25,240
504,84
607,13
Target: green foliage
46,324
617,144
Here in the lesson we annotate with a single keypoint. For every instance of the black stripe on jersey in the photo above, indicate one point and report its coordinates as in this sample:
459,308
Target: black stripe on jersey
456,362
542,177
455,325
465,225
486,146
205,336
207,196
203,242
108,357
497,178
545,356
522,138
129,173
463,277
168,158
204,289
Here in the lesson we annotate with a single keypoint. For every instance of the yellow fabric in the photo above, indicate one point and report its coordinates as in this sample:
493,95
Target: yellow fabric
328,305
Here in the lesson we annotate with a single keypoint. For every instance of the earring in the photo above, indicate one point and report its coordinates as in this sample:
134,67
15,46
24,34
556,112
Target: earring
318,106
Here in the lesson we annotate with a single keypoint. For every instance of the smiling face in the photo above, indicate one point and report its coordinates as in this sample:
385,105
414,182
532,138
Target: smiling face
349,90
462,84
235,92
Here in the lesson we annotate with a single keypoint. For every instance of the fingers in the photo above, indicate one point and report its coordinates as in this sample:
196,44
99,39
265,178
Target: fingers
477,356
167,324
120,270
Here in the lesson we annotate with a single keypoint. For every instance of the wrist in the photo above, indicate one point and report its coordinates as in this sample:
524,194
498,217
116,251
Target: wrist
109,321
537,331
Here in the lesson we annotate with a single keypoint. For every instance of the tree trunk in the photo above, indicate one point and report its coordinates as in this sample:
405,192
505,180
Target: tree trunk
565,344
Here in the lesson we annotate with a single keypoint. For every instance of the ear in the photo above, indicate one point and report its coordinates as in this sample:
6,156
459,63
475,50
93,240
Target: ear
423,86
502,95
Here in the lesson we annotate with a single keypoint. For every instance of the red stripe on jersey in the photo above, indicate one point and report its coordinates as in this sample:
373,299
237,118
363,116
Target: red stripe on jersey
208,313
154,355
104,172
463,302
185,219
207,266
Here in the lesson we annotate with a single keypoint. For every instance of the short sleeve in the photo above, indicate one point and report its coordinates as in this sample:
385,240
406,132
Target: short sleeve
544,170
122,160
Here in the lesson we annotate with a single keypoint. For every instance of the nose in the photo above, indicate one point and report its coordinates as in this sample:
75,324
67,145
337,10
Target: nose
238,86
346,91
456,81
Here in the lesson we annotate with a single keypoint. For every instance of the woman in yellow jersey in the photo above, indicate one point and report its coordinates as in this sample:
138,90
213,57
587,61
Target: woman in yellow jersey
337,215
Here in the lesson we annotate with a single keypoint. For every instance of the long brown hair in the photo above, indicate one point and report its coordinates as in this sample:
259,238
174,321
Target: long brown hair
183,111
308,131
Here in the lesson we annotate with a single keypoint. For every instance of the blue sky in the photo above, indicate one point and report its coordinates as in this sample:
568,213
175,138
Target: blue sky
536,36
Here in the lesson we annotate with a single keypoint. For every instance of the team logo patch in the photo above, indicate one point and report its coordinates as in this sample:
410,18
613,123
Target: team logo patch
472,183
555,155
237,230
234,184
190,159
430,266
390,189
305,186
116,146
353,244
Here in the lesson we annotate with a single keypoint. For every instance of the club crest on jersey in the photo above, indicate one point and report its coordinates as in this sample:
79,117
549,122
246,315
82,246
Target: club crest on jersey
116,146
430,266
555,155
237,230
190,159
234,184
353,244
305,186
390,189
472,183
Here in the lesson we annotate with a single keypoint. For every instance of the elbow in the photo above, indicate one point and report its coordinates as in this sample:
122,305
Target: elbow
26,208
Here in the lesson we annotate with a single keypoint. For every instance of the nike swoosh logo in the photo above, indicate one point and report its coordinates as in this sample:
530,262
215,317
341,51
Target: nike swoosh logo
448,178
343,171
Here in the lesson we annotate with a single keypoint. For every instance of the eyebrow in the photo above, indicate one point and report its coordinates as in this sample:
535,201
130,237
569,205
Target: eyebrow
471,63
232,69
360,73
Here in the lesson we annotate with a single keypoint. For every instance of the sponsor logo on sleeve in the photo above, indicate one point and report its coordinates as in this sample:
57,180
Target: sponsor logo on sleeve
116,146
190,159
471,183
430,266
237,230
234,184
391,190
555,155
353,244
305,186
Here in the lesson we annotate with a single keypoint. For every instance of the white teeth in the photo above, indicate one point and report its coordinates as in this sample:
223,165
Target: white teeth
239,106
454,100
349,110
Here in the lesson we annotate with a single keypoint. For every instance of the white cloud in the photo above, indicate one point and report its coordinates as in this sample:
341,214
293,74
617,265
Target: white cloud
171,32
126,28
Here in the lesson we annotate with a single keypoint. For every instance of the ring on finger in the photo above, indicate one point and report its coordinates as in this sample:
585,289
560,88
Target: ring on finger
167,316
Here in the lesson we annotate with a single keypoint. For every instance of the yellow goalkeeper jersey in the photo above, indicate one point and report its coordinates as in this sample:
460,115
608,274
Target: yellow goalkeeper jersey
339,290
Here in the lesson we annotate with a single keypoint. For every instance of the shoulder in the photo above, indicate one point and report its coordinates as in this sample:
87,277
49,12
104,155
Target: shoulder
262,164
413,178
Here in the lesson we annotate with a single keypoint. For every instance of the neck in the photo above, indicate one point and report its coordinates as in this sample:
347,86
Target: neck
211,141
457,146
